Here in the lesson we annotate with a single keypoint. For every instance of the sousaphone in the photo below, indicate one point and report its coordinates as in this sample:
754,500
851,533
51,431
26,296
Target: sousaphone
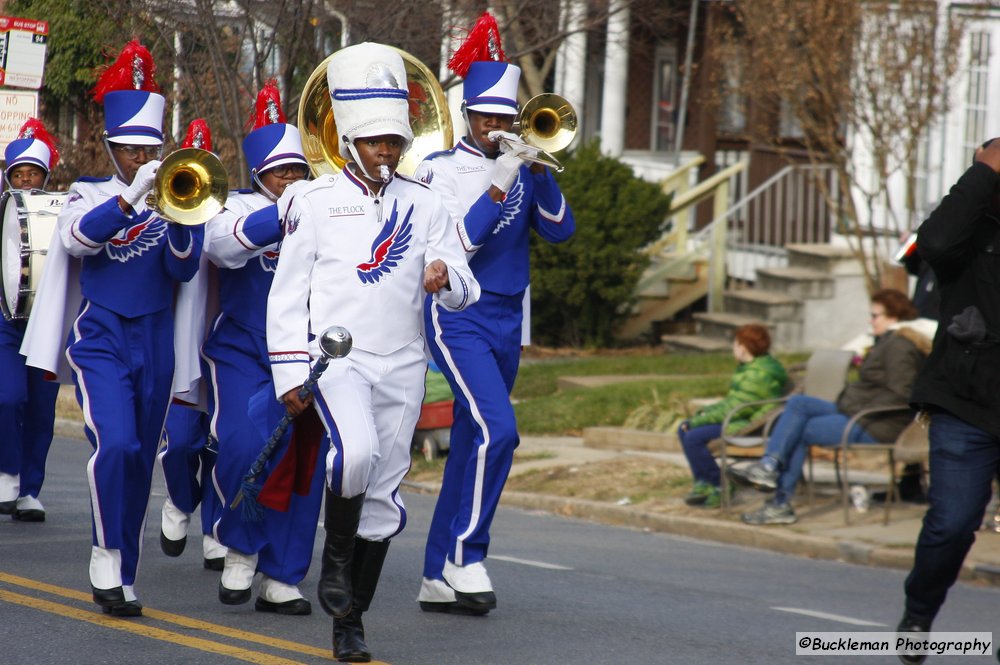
429,118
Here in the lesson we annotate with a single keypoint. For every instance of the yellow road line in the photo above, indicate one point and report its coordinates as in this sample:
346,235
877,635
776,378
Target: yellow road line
177,619
146,631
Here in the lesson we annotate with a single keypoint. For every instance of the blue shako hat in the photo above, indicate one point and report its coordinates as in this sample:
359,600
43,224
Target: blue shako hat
491,87
133,107
272,142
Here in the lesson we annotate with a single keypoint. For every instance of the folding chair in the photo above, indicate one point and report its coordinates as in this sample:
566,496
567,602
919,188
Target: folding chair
911,446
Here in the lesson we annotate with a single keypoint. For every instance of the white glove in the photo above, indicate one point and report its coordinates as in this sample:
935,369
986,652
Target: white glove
141,183
285,200
505,171
514,143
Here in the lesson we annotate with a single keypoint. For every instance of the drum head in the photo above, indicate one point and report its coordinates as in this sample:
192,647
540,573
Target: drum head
11,238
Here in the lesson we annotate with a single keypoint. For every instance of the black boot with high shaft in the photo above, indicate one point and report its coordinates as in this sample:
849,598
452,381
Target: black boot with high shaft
349,632
334,591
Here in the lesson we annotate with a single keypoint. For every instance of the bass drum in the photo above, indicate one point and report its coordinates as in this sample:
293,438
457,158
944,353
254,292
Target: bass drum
27,222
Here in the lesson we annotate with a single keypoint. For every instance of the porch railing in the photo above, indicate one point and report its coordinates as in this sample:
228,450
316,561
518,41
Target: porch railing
798,204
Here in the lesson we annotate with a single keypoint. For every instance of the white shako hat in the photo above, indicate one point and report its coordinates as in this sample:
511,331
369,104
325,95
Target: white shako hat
369,94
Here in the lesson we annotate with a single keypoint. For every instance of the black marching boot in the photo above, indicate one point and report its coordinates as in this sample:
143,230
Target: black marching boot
349,632
341,523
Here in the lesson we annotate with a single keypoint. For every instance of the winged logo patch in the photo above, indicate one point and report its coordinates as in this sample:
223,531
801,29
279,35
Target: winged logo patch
269,260
136,240
388,247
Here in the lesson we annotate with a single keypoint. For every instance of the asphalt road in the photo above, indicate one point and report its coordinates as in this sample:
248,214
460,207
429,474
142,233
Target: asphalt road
570,592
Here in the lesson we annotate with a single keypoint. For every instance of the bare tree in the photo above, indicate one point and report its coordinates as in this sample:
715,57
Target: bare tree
859,78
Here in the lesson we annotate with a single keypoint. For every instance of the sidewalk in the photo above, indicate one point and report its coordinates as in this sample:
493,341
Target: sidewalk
819,533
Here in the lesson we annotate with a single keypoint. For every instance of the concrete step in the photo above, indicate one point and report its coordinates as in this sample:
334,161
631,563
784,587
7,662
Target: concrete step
764,305
698,343
786,336
829,259
801,283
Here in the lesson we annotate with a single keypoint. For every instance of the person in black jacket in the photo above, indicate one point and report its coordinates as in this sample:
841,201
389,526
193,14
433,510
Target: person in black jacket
958,388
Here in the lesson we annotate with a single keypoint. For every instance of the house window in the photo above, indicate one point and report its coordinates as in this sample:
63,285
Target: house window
732,117
664,99
976,98
789,126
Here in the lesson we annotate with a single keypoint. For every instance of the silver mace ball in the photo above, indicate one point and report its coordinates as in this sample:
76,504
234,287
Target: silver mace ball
335,342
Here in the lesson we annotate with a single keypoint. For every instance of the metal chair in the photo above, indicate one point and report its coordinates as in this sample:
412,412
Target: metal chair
824,377
911,446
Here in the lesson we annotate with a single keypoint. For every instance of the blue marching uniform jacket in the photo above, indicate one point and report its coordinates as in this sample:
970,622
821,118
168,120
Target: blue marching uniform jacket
479,349
121,349
244,241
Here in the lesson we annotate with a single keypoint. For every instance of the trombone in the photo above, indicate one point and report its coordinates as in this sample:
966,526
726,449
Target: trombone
546,124
191,187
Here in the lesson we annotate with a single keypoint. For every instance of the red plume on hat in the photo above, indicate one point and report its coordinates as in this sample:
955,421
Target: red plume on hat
198,135
482,43
34,129
267,110
133,70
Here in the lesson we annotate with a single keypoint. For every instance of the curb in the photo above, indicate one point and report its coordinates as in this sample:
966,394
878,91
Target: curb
744,535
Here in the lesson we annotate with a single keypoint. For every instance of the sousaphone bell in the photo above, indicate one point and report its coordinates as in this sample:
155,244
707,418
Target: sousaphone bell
191,187
430,119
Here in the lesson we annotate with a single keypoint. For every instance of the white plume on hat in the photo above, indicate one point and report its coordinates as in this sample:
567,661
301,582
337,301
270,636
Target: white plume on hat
369,94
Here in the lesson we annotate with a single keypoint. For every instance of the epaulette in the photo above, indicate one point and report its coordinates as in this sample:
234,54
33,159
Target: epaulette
90,178
439,153
414,181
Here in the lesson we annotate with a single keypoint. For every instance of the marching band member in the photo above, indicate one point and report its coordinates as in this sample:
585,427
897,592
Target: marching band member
243,241
186,458
121,347
496,200
30,158
27,400
361,249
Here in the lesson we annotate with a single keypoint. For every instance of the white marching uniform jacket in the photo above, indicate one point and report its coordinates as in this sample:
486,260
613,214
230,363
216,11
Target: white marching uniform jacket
352,259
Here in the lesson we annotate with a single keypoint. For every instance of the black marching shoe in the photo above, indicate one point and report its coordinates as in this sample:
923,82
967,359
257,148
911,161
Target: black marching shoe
912,624
216,563
108,597
128,609
349,639
335,592
229,596
173,548
7,507
28,509
295,607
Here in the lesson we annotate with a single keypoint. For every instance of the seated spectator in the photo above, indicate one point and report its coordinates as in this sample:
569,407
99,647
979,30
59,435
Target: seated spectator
758,376
885,377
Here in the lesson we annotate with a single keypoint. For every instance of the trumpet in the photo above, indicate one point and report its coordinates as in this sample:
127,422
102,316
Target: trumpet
546,124
191,187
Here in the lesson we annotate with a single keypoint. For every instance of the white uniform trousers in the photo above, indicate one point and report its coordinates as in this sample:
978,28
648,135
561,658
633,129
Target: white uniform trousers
369,405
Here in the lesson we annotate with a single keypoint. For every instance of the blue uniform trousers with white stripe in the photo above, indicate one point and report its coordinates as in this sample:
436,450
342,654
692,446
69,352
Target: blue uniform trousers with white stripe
187,461
27,412
238,368
478,350
123,368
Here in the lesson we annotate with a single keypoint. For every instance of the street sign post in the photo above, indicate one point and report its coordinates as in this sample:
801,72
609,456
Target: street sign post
22,52
16,106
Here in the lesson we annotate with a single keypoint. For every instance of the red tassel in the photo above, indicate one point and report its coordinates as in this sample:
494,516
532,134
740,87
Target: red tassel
133,70
34,129
483,43
198,135
267,110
